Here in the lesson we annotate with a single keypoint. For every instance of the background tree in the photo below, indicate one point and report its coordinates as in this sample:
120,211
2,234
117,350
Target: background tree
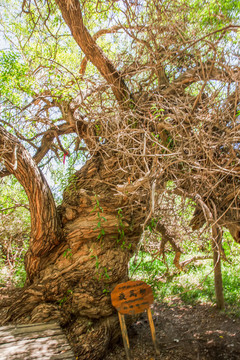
148,91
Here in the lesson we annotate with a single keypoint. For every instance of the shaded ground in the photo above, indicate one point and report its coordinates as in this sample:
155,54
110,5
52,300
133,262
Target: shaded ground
183,332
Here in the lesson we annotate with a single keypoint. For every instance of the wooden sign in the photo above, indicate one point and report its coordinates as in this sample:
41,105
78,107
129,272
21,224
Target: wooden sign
133,297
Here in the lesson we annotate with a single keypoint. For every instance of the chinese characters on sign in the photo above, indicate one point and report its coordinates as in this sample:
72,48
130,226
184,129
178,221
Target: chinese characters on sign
132,297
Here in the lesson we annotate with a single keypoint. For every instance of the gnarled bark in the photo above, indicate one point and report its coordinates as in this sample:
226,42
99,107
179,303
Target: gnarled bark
101,228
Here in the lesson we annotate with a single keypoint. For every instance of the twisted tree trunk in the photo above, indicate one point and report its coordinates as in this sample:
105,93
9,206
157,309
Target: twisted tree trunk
91,235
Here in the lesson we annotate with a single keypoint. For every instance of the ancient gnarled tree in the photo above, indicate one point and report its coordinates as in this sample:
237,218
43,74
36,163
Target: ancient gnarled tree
148,91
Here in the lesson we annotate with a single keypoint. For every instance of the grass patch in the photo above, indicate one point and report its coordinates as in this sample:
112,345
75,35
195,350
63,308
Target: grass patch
193,285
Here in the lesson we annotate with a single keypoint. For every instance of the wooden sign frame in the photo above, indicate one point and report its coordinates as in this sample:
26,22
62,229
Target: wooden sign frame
133,297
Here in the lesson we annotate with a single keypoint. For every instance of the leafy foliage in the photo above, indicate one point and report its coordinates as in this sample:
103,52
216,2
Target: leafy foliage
195,284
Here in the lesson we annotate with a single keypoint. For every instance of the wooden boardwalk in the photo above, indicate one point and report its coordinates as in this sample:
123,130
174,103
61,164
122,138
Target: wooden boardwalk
34,341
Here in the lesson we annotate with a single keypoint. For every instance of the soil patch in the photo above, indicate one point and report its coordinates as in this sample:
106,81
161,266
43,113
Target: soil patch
184,333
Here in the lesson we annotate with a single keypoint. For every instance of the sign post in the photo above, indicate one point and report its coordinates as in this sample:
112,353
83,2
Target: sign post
133,297
124,335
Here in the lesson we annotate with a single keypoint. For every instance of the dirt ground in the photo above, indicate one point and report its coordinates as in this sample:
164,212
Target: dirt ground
183,333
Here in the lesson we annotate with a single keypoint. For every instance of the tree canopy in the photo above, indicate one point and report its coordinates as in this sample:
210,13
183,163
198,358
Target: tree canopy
154,82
